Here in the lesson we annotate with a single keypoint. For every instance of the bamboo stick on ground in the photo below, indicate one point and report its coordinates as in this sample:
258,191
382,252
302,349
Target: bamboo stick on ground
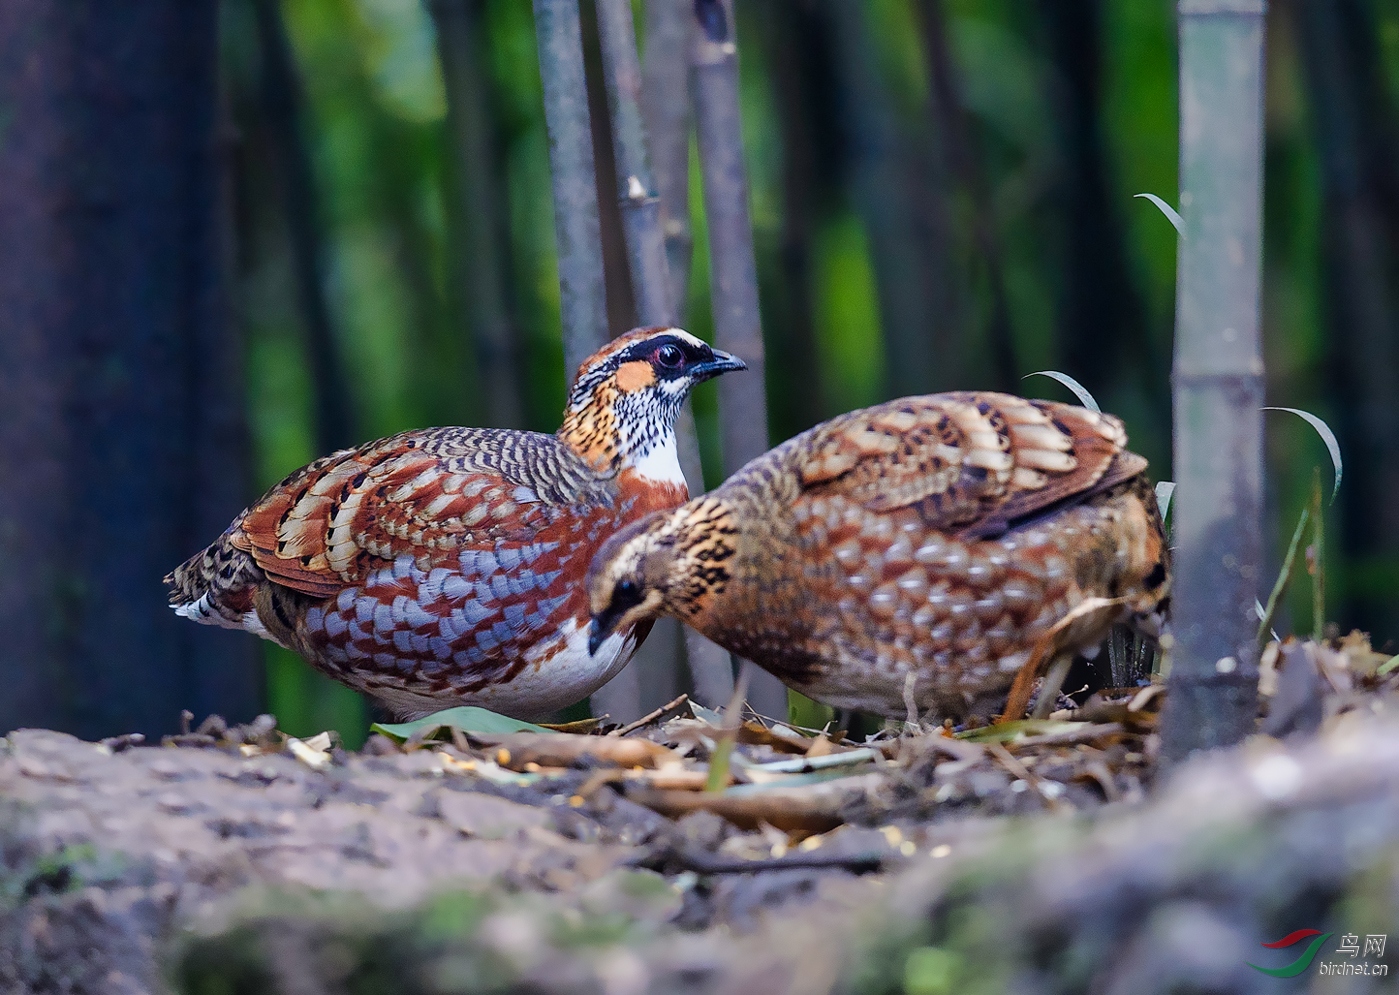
1218,378
733,270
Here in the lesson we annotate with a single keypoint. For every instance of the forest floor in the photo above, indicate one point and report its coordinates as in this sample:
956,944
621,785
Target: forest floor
1043,856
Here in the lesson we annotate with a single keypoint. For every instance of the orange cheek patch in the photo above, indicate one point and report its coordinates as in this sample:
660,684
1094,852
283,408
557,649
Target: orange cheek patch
635,375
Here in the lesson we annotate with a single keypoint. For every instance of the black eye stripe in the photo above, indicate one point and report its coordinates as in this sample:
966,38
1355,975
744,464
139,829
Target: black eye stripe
647,349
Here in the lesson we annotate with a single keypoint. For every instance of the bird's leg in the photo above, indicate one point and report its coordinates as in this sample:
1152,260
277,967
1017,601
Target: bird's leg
1053,683
1019,698
911,725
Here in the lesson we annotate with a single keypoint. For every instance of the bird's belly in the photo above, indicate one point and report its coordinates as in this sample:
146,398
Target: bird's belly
562,673
513,640
859,619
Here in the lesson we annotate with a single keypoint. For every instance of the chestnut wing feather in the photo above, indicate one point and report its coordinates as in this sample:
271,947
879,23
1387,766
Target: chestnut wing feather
426,494
971,463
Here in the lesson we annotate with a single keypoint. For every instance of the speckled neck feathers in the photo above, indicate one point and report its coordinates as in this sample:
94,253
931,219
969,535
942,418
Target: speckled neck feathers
614,429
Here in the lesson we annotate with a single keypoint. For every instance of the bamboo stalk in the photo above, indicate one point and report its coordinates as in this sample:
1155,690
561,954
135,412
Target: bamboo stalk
1218,378
665,104
637,199
732,267
578,232
642,210
577,229
479,295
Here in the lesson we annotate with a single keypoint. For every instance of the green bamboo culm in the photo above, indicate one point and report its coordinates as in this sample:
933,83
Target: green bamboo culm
1217,378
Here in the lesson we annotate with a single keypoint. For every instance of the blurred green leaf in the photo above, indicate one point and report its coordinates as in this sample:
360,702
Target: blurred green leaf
467,718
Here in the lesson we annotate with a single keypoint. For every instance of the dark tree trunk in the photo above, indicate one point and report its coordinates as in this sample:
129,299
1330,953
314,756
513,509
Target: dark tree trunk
1353,121
121,435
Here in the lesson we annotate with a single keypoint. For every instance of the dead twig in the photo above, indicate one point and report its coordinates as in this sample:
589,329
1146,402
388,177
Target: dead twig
664,712
1017,769
705,863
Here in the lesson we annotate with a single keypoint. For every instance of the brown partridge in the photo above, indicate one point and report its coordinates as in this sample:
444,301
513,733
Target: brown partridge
915,554
444,566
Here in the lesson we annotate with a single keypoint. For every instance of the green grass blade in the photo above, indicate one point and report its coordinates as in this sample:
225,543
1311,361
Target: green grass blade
1318,561
1284,575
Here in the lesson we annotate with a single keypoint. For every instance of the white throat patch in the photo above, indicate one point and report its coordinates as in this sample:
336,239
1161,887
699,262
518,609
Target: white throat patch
661,463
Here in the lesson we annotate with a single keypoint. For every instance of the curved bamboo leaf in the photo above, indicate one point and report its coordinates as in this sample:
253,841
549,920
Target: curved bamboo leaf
1327,436
1172,215
1165,490
1079,390
467,718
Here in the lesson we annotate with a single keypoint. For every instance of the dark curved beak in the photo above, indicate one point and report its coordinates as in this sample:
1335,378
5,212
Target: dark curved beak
600,628
722,362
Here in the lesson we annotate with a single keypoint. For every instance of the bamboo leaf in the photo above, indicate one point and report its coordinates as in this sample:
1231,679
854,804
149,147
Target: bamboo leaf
1005,732
1391,664
1172,215
1327,436
467,718
1165,490
1079,390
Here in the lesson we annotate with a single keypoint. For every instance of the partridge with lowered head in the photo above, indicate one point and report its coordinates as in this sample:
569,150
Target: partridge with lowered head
916,554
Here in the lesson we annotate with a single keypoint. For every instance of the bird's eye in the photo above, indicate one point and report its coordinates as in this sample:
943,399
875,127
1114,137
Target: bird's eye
670,356
626,593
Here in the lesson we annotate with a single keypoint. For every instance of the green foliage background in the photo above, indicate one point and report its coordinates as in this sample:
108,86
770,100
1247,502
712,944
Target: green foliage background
375,131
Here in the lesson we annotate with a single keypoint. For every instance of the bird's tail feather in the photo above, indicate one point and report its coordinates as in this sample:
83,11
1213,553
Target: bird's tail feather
216,586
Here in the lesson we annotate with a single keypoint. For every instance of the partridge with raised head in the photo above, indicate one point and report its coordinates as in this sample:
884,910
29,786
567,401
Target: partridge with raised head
444,566
913,555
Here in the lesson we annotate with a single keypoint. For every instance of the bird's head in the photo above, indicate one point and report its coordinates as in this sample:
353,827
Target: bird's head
624,401
670,563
